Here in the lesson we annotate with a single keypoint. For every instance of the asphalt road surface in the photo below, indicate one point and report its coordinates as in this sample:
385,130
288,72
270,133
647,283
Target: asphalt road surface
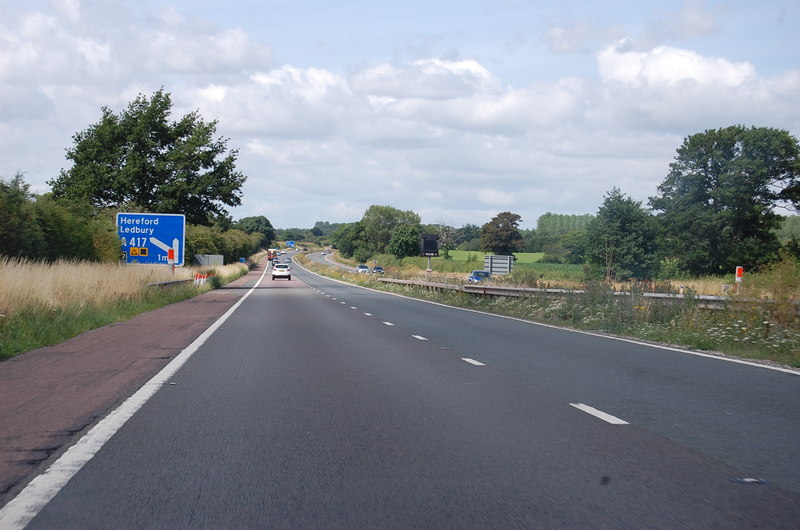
322,405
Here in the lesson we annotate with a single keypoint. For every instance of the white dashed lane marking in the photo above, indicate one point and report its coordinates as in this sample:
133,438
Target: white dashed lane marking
599,414
472,361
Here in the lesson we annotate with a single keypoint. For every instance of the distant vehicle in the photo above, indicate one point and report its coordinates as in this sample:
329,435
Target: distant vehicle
281,270
478,276
377,269
363,269
288,260
283,252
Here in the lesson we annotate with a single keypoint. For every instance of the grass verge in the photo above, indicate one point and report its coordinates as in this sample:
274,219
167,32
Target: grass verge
43,304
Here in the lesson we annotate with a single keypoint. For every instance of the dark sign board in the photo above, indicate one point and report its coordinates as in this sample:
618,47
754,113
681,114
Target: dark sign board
429,245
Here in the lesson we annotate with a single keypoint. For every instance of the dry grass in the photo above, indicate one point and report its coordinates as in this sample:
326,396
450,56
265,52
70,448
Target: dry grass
34,285
46,303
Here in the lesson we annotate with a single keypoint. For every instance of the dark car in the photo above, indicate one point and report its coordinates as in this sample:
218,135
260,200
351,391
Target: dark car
377,269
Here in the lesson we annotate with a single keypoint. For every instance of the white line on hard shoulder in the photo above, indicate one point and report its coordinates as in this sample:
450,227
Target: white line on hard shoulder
599,414
472,361
368,314
388,323
24,507
419,337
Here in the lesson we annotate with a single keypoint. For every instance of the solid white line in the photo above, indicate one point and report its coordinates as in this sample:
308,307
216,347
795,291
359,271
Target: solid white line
419,337
472,361
24,507
599,414
388,323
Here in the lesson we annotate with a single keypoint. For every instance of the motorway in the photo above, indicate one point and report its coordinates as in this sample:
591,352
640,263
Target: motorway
318,404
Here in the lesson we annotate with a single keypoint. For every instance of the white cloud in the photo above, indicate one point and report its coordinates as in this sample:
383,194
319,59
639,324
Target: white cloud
664,65
444,135
434,79
680,90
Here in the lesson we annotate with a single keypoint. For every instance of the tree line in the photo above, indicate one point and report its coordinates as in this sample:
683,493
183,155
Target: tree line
138,160
41,227
716,209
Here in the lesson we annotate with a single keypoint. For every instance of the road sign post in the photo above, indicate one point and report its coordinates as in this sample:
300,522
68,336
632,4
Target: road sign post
429,247
152,238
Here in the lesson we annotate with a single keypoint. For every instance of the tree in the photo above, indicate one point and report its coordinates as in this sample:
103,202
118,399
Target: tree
347,238
379,221
20,234
622,239
140,158
404,241
574,245
551,237
257,224
467,233
501,235
557,224
324,228
717,202
39,227
231,244
447,237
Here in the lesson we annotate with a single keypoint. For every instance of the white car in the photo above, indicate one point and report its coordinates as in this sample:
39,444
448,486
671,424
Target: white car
362,269
281,270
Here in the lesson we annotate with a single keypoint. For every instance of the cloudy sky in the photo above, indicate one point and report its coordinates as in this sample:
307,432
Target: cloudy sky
455,109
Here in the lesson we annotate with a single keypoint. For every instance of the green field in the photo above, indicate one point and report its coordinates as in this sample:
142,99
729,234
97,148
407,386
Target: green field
473,255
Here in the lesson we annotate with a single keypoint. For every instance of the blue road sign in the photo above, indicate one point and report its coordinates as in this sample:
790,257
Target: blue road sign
152,238
290,244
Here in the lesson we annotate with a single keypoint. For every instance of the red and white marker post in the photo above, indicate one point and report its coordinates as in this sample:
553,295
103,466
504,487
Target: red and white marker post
739,275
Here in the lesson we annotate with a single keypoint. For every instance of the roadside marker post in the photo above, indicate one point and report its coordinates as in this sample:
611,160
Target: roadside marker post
739,275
